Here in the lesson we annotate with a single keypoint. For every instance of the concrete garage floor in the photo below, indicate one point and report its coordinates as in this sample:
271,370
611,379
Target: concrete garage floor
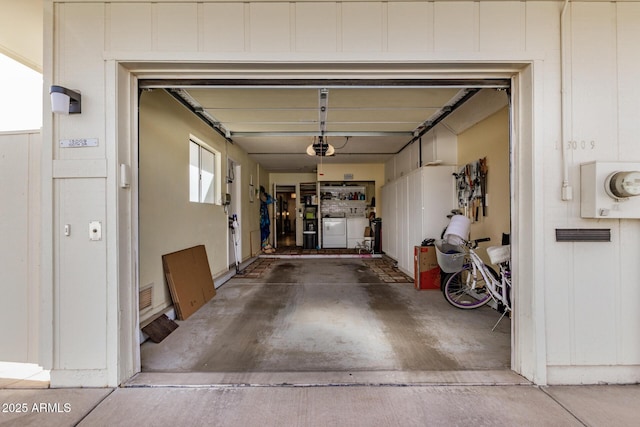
327,343
326,321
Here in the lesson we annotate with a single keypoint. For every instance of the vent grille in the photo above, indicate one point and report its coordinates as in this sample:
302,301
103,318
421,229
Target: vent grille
583,235
146,298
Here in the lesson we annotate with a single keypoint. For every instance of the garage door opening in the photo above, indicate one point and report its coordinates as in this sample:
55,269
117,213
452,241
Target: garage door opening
332,319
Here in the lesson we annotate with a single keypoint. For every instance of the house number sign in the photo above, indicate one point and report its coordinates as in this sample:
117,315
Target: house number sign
78,142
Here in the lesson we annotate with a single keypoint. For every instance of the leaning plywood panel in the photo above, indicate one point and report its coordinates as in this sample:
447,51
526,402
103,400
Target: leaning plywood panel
189,279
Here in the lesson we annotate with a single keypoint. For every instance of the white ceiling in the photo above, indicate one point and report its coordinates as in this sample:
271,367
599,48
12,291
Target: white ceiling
365,124
21,31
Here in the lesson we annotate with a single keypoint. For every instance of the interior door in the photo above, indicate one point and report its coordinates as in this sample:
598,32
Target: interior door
274,221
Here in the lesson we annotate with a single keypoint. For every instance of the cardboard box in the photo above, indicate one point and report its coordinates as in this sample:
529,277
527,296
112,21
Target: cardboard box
426,271
189,279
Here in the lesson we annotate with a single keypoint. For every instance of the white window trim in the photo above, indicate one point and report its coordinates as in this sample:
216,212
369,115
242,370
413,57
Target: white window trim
216,184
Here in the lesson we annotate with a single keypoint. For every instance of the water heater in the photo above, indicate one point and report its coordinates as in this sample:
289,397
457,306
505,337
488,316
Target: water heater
610,190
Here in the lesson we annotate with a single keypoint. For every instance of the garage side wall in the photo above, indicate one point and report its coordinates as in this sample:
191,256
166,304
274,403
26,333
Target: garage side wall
169,222
586,313
490,139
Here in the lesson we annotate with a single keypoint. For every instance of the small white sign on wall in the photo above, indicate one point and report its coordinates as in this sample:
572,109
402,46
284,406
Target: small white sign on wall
78,142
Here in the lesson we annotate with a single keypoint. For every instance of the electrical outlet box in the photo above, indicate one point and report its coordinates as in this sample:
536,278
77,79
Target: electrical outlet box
607,190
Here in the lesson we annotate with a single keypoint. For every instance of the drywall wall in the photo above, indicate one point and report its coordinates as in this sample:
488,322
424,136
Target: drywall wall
252,177
169,222
490,139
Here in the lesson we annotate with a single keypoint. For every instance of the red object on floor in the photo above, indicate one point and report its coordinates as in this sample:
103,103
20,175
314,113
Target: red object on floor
426,271
429,279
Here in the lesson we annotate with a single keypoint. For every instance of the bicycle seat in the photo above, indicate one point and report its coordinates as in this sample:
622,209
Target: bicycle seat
498,254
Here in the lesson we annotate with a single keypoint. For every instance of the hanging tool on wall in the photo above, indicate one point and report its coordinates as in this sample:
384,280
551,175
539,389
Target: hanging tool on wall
460,189
483,184
471,189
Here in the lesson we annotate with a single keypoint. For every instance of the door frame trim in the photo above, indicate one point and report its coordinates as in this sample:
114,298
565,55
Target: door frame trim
528,332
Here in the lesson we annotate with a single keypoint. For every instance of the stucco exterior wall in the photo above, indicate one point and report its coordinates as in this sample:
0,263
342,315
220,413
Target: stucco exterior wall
583,321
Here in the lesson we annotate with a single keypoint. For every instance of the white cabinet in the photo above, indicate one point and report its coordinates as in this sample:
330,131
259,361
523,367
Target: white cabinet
438,199
415,207
402,221
389,211
355,230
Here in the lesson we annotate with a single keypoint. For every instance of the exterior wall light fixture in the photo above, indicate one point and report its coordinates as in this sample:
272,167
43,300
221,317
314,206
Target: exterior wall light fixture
65,101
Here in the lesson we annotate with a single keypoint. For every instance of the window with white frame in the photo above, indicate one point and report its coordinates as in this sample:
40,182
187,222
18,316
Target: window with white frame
202,176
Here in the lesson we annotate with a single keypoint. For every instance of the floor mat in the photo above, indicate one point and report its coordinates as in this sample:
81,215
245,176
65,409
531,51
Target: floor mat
297,250
258,268
384,268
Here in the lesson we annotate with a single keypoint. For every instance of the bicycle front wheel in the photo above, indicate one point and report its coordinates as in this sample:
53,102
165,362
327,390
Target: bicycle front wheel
458,289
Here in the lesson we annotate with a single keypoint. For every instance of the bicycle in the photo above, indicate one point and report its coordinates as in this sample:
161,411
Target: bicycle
473,283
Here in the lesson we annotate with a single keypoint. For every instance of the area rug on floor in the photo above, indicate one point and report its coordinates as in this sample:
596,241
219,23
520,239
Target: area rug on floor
384,268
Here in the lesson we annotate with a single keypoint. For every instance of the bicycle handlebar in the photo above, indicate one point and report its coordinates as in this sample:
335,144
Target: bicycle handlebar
474,243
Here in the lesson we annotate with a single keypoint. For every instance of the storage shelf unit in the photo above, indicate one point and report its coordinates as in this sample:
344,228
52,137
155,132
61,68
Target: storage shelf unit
343,192
309,201
310,224
343,200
